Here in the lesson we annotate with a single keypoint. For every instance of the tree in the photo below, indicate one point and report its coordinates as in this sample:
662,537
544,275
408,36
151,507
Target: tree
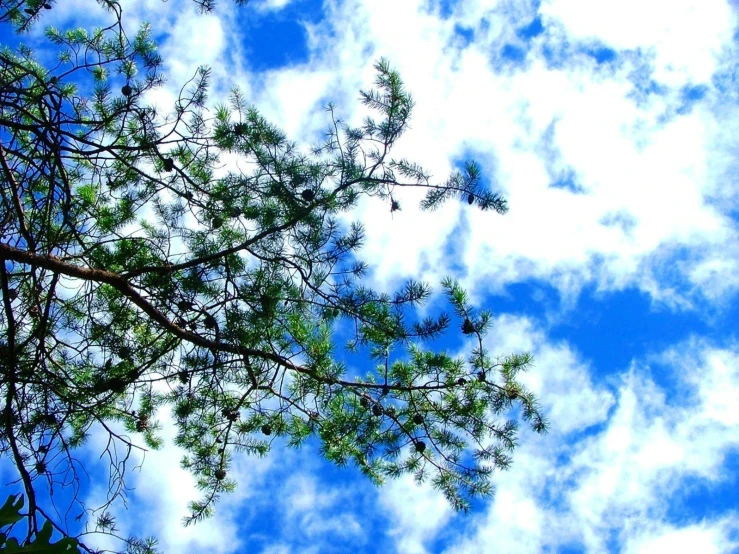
140,271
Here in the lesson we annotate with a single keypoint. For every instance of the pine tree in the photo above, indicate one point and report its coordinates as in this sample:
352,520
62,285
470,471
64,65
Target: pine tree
137,275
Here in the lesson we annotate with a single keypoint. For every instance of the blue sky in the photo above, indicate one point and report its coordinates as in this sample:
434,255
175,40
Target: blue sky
611,128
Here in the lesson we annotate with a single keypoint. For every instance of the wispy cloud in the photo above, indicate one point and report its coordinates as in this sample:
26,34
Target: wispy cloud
271,5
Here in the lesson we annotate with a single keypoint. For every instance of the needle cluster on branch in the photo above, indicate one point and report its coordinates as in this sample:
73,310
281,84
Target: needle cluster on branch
141,271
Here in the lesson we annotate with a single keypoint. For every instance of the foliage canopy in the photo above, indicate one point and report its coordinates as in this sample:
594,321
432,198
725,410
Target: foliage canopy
143,269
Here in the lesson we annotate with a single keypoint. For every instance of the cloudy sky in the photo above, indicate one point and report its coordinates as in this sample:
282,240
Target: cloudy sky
612,128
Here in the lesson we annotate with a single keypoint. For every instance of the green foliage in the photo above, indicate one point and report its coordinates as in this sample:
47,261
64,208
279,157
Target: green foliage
10,515
140,271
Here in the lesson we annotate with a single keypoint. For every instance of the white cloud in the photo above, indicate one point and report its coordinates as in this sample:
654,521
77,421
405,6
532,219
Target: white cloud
628,159
704,538
315,514
272,5
558,377
193,40
663,27
417,514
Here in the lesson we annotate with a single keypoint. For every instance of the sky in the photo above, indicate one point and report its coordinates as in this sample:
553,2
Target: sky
611,128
